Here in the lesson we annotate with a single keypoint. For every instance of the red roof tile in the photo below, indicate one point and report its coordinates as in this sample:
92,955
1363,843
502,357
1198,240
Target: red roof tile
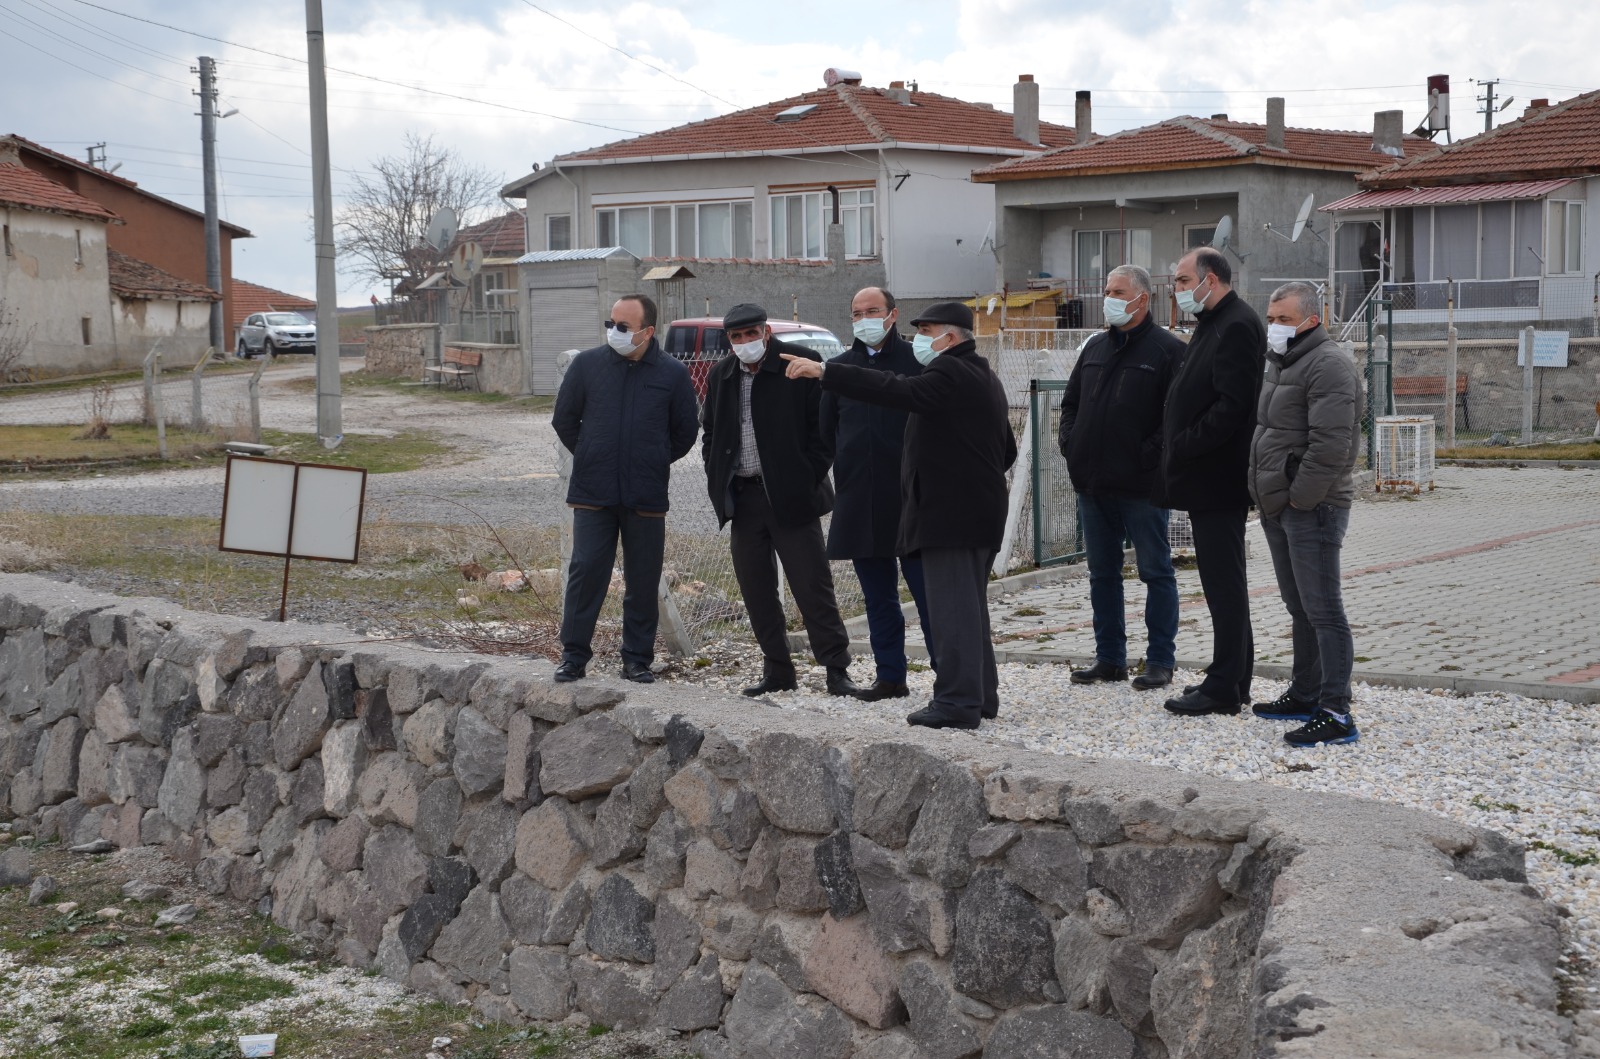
253,298
28,190
1563,140
1185,141
132,278
844,115
503,236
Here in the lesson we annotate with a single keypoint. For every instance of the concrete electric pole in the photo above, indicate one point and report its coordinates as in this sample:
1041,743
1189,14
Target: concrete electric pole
208,147
330,427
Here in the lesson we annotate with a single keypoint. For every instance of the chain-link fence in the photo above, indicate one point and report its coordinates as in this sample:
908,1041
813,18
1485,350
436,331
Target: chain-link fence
187,397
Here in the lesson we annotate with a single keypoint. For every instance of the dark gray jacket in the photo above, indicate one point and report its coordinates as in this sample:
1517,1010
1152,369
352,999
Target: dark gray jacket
1308,427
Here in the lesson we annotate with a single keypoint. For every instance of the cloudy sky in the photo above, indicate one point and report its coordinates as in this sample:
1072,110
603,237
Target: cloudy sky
505,83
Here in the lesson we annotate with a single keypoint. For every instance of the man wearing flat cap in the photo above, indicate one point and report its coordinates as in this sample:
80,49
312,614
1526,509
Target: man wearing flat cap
958,446
767,463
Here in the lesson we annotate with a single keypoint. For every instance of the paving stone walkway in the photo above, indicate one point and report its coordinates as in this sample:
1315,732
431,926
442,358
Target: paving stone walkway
1492,579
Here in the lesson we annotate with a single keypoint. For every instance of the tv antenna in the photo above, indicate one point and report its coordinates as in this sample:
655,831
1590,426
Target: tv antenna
1302,222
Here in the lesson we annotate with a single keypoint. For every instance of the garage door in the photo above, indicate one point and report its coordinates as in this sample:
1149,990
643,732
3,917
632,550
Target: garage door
559,319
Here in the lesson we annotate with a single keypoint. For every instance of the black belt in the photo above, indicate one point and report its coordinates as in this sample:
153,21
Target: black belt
753,479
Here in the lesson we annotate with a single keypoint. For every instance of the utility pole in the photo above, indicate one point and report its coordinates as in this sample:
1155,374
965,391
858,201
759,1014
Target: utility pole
330,427
1487,99
208,149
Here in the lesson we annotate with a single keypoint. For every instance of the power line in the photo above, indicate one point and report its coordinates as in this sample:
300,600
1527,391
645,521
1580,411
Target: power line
69,42
103,77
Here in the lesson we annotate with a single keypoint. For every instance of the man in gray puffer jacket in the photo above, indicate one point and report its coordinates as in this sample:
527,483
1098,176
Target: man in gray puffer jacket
1308,430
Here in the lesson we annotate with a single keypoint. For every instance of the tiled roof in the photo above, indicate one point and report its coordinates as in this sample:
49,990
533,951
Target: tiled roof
1185,141
132,278
845,115
1563,140
1461,193
22,187
503,236
252,298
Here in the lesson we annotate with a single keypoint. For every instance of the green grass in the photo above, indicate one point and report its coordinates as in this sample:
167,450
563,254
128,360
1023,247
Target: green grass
407,450
364,380
211,990
1577,450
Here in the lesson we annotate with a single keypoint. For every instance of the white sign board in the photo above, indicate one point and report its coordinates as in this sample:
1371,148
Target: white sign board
1549,349
294,510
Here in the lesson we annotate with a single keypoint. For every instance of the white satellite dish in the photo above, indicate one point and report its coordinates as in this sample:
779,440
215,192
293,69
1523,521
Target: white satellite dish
442,229
1224,232
465,261
1302,217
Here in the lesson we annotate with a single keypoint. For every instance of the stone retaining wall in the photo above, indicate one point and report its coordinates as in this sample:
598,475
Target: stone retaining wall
769,883
400,350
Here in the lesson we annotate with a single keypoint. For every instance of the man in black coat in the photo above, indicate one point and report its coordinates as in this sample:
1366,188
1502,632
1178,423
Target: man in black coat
868,439
1111,438
958,445
1210,419
767,465
626,412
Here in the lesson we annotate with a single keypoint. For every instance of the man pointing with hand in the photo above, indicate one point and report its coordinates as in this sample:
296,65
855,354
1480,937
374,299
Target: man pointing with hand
958,446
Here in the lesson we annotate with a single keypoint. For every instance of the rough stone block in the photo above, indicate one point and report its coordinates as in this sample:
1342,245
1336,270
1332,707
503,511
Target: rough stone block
935,1019
621,922
952,813
798,887
615,995
566,913
183,786
306,791
341,848
1057,1032
429,734
390,789
297,732
479,757
758,883
768,1020
845,965
1047,862
231,830
344,758
695,1000
214,734
993,840
790,777
683,740
1082,955
255,695
730,929
377,720
523,735
491,845
1201,1000
225,783
709,870
892,779
677,934
1004,953
438,815
565,703
666,848
339,681
1107,915
541,982
16,866
301,880
1166,890
395,871
122,824
526,906
624,818
587,757
94,769
906,912
782,945
58,773
1129,971
552,843
114,718
476,939
421,923
837,877
429,978
261,798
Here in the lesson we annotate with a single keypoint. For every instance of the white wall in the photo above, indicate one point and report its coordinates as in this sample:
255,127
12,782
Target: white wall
51,289
182,328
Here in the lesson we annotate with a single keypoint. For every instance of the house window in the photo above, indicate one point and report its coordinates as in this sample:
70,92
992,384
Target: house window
797,225
858,211
699,229
1484,241
1101,251
78,260
1197,235
7,230
87,332
558,231
1566,237
489,291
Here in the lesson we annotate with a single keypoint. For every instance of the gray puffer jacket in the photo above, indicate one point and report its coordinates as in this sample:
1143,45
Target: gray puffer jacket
1308,427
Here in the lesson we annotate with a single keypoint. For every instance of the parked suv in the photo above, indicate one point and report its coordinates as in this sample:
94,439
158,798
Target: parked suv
274,333
700,342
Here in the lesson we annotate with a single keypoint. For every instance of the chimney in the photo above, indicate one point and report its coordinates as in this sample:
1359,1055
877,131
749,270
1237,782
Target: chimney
1083,119
1534,106
1388,126
1219,117
1275,122
1025,109
898,92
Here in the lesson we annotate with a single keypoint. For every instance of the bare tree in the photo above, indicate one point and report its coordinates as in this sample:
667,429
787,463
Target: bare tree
14,339
380,230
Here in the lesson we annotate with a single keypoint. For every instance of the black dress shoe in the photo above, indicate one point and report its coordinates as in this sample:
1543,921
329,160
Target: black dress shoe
1100,672
567,672
770,683
1152,677
883,689
637,672
1197,703
839,682
931,716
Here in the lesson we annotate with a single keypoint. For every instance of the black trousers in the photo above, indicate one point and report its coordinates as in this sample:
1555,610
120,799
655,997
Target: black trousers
957,583
594,552
1219,554
757,539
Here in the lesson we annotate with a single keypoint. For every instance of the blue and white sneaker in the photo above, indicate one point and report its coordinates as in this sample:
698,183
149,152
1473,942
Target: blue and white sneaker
1325,727
1285,708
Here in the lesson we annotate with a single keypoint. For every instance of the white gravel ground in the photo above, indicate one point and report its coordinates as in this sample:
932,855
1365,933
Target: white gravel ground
1528,767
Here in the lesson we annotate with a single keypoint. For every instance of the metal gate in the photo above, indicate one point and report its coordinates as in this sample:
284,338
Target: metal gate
1057,530
559,319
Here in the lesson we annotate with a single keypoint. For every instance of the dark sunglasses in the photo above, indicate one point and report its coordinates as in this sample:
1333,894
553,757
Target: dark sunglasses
620,327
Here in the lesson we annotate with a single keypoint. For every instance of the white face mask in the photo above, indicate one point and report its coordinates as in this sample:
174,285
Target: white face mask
621,341
1188,302
870,330
922,349
750,352
1117,313
1279,336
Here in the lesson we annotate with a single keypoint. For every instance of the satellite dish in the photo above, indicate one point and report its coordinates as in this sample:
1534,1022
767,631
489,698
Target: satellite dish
1224,232
1302,217
442,229
465,261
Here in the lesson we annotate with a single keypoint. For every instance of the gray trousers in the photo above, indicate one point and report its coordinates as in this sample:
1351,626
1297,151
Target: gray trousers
957,583
755,539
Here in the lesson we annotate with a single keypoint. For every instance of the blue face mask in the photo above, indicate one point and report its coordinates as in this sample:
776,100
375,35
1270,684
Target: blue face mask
1188,302
869,329
922,349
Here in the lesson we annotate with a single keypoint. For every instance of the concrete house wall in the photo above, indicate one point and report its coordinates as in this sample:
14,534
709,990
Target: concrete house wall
55,280
181,326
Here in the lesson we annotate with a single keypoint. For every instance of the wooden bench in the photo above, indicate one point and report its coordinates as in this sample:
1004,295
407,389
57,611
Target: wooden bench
458,364
1411,386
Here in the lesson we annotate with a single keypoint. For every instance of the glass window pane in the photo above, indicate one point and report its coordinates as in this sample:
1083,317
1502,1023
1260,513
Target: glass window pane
1422,243
780,229
1574,262
796,246
1456,230
684,247
605,228
849,198
869,230
1139,246
1089,256
558,232
716,230
1495,260
852,232
633,225
866,198
661,231
1112,242
813,226
743,237
1530,237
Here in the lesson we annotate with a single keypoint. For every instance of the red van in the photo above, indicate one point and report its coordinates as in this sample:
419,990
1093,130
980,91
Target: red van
700,342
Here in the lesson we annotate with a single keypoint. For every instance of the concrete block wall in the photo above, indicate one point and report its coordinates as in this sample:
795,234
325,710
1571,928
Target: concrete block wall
770,884
1565,397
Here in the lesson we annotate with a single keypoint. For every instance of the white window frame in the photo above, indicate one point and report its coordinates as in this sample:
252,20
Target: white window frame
858,218
1565,242
674,212
1128,234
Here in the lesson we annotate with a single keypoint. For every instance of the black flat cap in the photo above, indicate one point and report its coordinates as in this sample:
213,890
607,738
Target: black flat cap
953,313
745,314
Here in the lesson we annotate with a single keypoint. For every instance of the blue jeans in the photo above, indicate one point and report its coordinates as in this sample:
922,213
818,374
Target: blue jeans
1305,555
886,622
594,552
1108,520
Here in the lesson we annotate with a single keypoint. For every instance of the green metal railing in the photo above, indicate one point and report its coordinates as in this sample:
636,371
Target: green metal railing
1057,529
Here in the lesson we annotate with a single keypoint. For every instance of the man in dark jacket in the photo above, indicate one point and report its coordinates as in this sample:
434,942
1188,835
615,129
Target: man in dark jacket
1211,412
953,496
767,464
868,439
626,412
1302,465
1111,438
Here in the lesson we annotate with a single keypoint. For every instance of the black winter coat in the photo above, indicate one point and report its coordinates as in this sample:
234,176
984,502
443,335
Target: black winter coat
958,446
868,439
625,422
1111,412
1211,411
795,455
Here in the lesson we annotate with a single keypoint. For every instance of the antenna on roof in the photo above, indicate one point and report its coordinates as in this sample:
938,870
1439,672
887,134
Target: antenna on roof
1301,222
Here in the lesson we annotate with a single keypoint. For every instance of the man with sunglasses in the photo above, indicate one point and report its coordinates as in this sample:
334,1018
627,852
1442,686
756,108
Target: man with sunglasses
626,412
767,462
